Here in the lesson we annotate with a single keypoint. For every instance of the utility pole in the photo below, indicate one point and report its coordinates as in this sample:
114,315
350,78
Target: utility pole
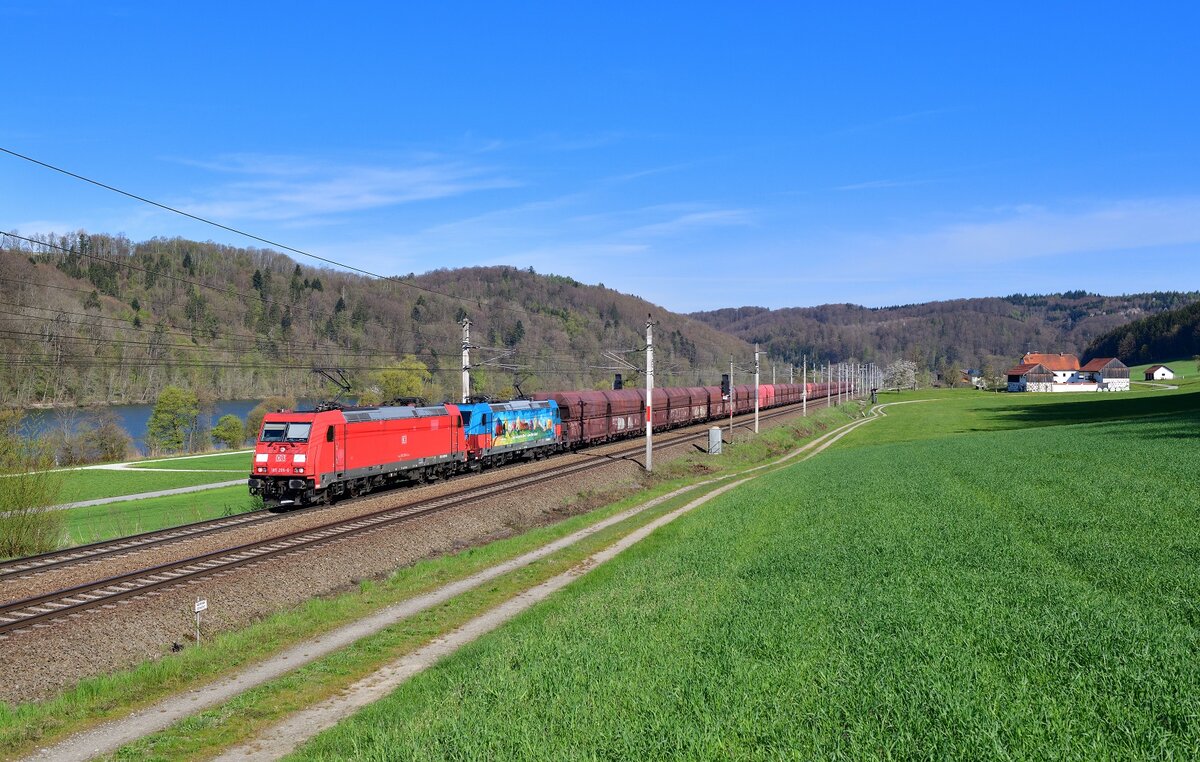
791,373
804,393
755,388
731,397
649,394
772,374
466,360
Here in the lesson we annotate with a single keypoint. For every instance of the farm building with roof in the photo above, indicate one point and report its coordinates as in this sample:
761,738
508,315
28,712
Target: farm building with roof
1159,373
1038,372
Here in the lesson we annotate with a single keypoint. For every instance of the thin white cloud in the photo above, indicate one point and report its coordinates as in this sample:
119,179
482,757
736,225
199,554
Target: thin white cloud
686,223
888,121
880,184
1029,232
61,226
283,188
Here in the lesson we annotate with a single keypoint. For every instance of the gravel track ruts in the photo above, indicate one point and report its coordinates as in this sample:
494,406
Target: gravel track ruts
42,661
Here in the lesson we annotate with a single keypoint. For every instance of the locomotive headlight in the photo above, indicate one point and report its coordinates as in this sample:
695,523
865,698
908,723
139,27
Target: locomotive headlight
299,458
298,470
261,469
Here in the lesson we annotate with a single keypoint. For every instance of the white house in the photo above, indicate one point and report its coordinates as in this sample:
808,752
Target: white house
1159,373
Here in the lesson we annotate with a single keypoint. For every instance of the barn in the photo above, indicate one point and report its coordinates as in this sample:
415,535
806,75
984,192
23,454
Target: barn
1108,373
1030,377
1159,373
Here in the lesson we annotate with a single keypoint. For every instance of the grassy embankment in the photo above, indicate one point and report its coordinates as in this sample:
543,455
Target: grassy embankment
1008,576
93,483
125,517
96,699
128,517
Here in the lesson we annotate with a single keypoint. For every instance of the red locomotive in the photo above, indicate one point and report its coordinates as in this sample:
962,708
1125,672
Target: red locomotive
303,457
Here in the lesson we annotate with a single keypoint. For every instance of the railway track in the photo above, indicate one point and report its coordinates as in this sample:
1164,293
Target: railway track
38,611
19,567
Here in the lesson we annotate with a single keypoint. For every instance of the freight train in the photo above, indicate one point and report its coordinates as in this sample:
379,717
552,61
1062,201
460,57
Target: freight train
306,457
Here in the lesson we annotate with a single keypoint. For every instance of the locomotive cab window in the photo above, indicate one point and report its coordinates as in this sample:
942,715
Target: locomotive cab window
273,432
286,432
298,432
329,434
466,417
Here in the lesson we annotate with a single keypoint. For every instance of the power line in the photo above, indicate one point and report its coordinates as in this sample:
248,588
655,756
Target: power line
28,360
145,328
311,311
252,236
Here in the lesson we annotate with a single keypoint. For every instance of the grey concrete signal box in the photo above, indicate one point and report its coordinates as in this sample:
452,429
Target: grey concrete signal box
714,440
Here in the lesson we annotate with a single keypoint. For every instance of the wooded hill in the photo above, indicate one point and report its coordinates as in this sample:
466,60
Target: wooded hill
97,318
101,319
988,334
1166,336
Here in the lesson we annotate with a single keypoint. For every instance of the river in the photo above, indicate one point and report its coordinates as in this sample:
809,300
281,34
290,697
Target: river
132,418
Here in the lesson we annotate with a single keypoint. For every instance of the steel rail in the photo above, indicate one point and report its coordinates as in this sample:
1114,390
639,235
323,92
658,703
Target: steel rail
25,565
39,609
27,612
79,554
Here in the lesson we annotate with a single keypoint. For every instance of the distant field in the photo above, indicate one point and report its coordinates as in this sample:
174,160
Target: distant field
92,484
103,522
235,461
962,411
1021,581
1185,368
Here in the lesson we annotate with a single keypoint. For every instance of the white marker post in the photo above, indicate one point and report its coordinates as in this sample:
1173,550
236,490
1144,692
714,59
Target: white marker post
201,605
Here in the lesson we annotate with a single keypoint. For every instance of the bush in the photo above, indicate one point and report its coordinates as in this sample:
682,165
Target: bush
27,489
98,439
229,432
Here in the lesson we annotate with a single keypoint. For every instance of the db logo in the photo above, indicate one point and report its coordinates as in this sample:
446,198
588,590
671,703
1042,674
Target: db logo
281,458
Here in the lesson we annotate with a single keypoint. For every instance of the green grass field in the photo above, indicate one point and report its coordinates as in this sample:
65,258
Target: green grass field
126,517
36,723
1021,581
234,461
92,484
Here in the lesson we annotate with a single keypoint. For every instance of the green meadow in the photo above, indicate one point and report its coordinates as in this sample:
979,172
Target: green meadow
234,461
27,725
981,576
127,517
91,484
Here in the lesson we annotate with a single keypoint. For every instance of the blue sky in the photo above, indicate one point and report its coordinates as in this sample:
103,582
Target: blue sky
773,154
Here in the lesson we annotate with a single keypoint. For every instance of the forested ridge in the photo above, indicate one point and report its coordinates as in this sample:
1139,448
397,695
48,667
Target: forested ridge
1170,335
988,333
90,318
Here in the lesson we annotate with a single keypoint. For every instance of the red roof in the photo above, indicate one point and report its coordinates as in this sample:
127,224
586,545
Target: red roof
1052,362
1022,369
1099,363
1153,368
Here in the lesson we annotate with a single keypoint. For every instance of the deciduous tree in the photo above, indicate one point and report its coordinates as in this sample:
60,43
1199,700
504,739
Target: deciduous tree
173,421
229,431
